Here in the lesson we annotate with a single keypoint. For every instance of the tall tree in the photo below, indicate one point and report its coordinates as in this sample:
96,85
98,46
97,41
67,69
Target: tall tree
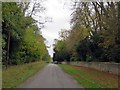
94,35
21,40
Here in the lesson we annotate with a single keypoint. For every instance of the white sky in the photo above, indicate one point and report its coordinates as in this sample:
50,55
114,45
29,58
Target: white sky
59,11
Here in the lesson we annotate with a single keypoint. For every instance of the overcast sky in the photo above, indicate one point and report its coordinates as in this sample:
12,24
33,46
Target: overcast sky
59,11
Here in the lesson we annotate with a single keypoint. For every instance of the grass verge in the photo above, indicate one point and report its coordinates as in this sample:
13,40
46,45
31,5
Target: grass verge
91,78
15,75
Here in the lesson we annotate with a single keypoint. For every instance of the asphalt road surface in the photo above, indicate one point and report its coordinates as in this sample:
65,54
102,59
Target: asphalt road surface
51,76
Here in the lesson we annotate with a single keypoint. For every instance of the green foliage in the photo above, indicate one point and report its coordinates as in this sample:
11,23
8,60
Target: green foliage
60,52
21,40
94,35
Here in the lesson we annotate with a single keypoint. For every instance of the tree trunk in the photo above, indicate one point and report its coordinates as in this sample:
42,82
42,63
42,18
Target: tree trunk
8,48
118,39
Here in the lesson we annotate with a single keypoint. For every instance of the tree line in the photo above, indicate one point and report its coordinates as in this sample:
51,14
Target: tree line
22,41
94,34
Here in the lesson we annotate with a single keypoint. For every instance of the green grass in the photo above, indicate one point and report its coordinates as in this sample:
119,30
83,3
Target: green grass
15,75
91,78
0,77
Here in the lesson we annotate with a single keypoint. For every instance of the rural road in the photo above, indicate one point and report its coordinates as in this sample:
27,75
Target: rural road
50,77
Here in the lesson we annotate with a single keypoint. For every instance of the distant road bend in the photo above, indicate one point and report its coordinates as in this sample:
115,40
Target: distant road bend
50,77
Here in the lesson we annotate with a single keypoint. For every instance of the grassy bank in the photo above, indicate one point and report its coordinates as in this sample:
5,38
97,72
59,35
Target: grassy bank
15,75
91,78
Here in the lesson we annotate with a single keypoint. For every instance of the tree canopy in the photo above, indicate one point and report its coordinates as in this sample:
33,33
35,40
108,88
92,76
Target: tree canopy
22,41
94,33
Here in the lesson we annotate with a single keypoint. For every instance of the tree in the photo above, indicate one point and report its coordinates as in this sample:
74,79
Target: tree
22,41
94,33
11,19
